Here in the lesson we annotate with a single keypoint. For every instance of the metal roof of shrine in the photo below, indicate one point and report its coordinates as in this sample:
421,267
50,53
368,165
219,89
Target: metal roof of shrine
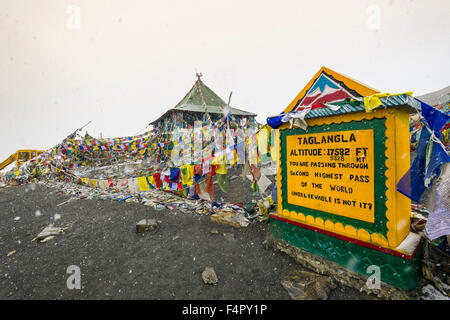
196,99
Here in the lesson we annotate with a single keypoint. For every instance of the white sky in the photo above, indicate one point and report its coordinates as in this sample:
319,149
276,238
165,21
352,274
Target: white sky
131,60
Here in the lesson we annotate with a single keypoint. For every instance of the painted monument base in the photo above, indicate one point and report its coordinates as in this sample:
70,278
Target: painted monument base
347,260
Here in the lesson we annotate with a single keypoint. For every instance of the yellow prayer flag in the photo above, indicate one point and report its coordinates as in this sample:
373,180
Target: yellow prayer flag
374,101
187,174
234,160
143,185
222,168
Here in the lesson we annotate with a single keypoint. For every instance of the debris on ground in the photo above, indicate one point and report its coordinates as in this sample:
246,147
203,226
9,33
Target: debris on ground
265,205
436,264
48,233
305,285
429,292
47,239
147,224
14,182
67,201
11,253
209,276
214,231
250,210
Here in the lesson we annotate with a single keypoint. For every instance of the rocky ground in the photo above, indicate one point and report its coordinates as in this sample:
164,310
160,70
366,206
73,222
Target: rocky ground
118,263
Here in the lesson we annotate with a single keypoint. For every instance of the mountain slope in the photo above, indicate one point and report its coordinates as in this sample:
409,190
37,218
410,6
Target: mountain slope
436,97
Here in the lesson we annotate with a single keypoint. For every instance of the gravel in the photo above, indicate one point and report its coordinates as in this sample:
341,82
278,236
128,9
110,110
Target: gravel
117,263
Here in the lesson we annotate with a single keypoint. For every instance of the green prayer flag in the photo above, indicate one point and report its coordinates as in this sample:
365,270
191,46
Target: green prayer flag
202,185
222,181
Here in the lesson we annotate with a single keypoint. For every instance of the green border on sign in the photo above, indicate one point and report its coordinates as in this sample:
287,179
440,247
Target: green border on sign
379,137
396,271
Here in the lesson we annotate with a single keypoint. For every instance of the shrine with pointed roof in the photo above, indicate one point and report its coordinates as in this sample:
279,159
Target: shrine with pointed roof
199,104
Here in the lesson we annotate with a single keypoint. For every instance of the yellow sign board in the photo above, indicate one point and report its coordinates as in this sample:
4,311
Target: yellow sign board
332,172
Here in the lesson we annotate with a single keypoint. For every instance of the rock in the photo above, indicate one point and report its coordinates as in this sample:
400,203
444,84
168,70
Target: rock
304,285
209,276
230,218
229,236
147,224
243,221
338,273
214,231
225,218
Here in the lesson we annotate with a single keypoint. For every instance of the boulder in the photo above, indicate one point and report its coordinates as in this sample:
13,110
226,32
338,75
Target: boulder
147,224
209,276
305,285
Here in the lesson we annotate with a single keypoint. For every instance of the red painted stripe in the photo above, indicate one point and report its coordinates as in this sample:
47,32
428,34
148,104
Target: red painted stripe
331,97
308,100
348,239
